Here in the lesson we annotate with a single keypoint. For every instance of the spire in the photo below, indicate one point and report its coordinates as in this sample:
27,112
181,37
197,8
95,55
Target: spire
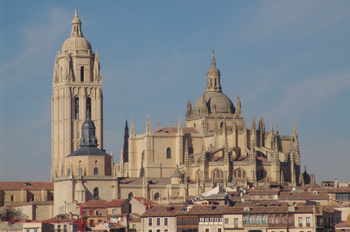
203,145
148,126
244,123
158,125
213,62
132,129
171,123
76,25
179,128
224,132
277,131
213,77
253,124
187,158
189,108
295,131
238,112
271,129
126,142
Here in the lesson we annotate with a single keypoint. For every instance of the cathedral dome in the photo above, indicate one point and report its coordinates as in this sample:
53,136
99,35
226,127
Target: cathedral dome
76,44
76,41
217,100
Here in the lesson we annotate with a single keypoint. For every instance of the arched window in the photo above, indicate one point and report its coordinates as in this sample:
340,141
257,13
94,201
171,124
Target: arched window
95,171
218,173
12,198
239,173
76,108
68,172
82,73
221,124
194,125
80,171
88,107
96,193
215,82
190,150
130,196
211,82
168,153
156,196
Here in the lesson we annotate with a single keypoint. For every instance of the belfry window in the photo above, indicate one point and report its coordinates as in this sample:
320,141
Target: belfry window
81,73
96,193
76,110
211,82
95,171
215,82
168,153
88,107
156,196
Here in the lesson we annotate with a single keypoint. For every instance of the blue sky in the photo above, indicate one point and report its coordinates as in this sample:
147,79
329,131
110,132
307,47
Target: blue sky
289,60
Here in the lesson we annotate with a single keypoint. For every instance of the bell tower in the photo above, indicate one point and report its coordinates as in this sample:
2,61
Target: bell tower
76,93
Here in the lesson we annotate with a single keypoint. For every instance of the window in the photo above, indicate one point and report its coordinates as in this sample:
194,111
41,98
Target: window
158,230
58,228
99,221
165,230
264,219
168,153
76,110
195,221
12,197
88,108
64,228
134,226
35,230
95,192
156,196
178,221
236,222
338,196
91,222
184,221
27,230
226,220
308,222
114,211
95,171
189,221
158,221
81,73
150,221
165,221
149,230
245,220
300,221
239,173
190,149
68,172
219,229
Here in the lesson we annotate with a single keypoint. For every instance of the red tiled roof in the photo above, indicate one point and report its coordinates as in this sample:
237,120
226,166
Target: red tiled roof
19,185
95,203
344,224
162,211
147,202
19,204
306,195
174,130
116,203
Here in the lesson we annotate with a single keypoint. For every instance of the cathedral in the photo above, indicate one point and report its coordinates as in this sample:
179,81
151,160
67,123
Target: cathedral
169,164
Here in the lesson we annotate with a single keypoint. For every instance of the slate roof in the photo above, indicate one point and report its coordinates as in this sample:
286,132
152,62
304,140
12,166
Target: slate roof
19,185
86,150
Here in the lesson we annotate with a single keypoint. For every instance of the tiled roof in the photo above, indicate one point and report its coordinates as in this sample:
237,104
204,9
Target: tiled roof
162,211
146,201
267,210
66,218
306,195
262,192
344,224
339,190
19,204
116,202
204,210
95,203
174,130
19,185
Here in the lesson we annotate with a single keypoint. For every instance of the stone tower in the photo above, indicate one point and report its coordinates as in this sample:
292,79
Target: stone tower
76,92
